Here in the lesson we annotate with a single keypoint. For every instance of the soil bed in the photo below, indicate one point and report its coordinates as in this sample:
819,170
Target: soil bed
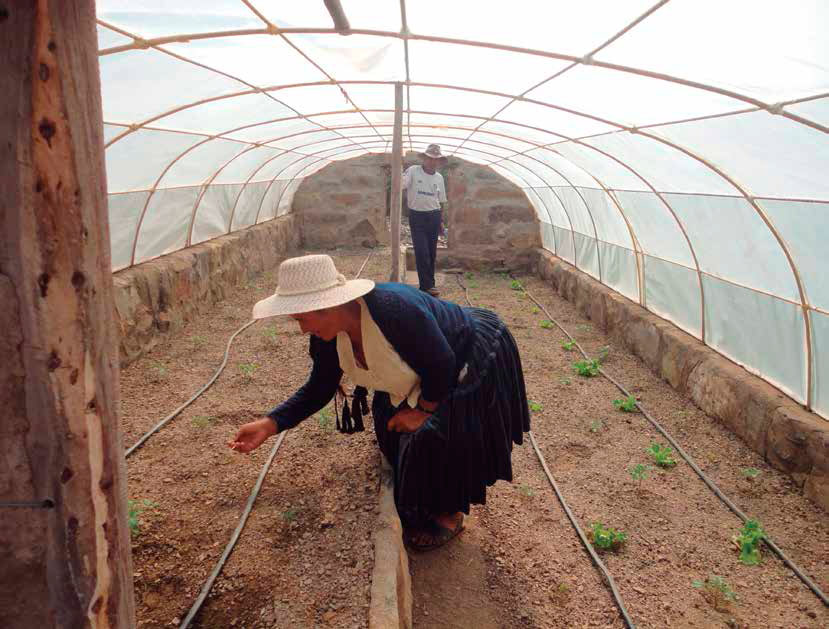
306,555
537,573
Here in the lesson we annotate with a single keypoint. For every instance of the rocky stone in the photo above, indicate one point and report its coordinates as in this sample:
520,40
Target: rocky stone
154,299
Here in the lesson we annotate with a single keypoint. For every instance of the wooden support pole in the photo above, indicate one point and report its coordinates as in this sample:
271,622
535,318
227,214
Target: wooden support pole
67,563
335,9
396,200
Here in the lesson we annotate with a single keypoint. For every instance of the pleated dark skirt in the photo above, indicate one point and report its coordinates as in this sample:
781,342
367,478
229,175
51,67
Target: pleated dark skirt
466,445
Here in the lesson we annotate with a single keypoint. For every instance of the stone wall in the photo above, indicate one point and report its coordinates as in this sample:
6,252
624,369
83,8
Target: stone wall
154,299
789,437
344,204
490,220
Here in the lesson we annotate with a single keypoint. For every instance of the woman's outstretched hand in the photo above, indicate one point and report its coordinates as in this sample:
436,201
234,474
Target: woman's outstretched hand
252,435
407,420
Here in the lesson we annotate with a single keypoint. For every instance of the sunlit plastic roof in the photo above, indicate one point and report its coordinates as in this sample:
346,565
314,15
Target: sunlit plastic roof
676,151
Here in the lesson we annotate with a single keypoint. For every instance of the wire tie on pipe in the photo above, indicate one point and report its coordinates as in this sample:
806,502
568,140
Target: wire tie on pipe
140,42
587,60
272,29
47,503
776,109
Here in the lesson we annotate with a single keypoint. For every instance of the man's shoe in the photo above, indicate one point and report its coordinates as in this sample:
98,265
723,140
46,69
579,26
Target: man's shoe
434,292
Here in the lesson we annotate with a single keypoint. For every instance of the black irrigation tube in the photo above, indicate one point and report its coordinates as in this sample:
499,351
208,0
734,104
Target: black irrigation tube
573,521
708,482
254,494
209,383
196,395
208,585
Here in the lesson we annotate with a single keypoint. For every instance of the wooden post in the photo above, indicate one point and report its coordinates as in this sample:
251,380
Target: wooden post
66,561
396,182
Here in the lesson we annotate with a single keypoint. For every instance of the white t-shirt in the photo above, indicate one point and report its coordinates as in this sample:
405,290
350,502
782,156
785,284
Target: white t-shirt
424,192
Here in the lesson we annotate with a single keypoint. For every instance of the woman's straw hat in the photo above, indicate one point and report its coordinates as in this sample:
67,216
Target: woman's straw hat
310,283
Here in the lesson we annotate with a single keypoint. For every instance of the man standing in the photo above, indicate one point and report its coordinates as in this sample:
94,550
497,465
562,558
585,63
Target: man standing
425,192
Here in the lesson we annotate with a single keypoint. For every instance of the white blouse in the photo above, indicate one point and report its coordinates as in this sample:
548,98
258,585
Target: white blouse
386,370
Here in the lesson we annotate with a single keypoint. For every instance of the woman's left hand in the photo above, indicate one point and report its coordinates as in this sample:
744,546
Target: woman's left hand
407,420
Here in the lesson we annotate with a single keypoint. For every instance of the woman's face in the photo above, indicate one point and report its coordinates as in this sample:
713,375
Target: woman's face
322,323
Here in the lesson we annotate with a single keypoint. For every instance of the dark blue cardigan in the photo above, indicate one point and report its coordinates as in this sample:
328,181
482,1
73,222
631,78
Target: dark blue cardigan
431,336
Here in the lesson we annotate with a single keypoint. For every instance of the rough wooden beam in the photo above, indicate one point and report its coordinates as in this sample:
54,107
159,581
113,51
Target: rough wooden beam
68,565
396,198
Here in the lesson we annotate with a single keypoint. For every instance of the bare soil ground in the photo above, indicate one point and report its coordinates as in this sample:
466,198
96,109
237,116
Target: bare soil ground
305,557
538,575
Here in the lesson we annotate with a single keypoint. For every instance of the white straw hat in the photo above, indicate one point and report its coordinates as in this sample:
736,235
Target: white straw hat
310,283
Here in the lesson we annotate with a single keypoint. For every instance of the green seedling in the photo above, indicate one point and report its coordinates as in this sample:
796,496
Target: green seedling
203,421
546,324
535,310
583,327
526,490
586,368
160,371
750,472
271,334
324,420
748,541
516,285
535,407
596,425
468,275
716,591
289,515
639,472
568,345
564,380
627,405
604,351
248,369
472,284
561,594
607,538
661,455
198,340
134,510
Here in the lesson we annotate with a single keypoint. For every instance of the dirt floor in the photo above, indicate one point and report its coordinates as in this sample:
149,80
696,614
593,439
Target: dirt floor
305,557
538,575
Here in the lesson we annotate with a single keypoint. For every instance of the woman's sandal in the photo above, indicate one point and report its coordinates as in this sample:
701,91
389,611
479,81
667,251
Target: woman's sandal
440,535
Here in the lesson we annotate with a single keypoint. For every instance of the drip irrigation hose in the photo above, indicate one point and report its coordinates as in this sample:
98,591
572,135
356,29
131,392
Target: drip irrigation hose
208,585
573,521
709,483
210,382
196,395
254,494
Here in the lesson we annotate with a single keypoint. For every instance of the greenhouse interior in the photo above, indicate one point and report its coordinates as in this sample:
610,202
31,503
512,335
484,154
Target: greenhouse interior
633,192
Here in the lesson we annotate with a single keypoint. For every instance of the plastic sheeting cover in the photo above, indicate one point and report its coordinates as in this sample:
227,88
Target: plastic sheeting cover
627,135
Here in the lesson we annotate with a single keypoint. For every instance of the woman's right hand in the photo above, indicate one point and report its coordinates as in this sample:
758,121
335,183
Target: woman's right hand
252,435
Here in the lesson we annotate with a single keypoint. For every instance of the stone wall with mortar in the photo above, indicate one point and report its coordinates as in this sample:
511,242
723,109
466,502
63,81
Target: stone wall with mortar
344,204
789,437
154,299
490,220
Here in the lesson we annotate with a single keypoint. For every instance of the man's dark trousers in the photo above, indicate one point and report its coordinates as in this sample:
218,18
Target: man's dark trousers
425,228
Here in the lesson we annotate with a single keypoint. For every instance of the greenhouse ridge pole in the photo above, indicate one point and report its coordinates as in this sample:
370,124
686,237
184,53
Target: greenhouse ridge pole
396,199
66,562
